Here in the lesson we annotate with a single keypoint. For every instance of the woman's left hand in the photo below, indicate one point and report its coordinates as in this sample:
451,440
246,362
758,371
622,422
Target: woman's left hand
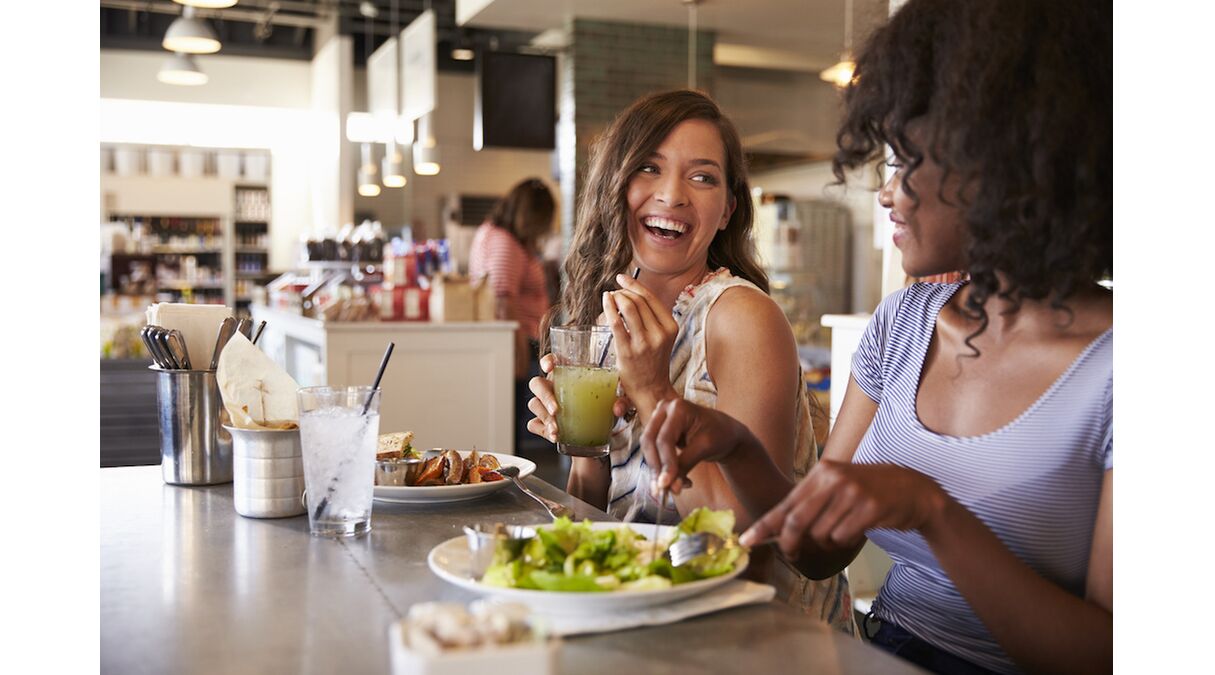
643,349
836,502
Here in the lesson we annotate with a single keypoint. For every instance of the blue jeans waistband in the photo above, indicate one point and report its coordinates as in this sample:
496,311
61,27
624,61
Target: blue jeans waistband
902,643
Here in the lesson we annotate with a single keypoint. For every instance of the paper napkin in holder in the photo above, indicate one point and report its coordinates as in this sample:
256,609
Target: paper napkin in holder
257,392
199,324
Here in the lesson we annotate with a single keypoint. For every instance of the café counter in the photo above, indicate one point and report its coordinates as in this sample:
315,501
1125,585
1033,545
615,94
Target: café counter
452,384
188,586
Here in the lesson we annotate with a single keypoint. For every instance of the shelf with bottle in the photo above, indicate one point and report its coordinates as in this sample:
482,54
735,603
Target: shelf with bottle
247,237
177,284
170,234
252,205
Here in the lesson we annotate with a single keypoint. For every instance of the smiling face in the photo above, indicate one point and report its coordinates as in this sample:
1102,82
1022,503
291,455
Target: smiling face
678,200
930,233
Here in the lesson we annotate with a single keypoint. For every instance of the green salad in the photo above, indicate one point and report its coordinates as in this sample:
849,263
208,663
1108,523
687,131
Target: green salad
569,556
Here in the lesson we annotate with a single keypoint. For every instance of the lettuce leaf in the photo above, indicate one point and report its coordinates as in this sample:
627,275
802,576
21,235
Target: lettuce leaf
574,557
720,523
550,581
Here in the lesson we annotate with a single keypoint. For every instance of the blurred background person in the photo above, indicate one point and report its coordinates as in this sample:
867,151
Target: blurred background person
506,248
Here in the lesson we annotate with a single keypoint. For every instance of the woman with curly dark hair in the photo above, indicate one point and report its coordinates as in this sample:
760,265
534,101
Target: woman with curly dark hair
975,441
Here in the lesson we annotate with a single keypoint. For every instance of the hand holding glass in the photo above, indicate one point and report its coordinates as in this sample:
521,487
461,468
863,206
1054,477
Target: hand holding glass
584,381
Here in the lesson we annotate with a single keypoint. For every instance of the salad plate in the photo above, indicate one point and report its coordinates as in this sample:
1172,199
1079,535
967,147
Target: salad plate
451,561
434,494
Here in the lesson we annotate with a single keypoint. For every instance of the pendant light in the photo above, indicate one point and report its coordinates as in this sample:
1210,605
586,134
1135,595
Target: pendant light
181,69
368,185
207,4
425,148
394,166
394,159
692,35
841,73
190,35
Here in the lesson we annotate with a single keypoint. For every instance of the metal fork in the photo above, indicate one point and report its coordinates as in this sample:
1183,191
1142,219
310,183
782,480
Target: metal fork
554,509
701,543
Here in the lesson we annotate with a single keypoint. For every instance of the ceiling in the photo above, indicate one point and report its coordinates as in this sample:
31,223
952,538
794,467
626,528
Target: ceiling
778,34
782,34
286,28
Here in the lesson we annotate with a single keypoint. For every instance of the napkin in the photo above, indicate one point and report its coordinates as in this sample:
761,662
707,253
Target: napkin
257,393
735,593
198,323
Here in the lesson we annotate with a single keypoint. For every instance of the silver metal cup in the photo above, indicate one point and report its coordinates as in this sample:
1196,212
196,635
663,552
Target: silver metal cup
268,469
484,538
194,448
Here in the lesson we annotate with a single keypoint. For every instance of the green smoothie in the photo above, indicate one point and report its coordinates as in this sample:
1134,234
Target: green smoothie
585,395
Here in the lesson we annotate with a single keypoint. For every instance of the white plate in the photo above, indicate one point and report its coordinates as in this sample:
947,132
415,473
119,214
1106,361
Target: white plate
453,493
450,560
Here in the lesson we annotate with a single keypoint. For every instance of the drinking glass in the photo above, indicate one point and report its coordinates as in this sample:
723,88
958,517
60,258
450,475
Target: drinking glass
339,428
584,381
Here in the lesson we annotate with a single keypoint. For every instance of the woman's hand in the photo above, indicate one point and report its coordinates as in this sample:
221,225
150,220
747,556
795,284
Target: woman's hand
836,502
681,435
643,349
544,403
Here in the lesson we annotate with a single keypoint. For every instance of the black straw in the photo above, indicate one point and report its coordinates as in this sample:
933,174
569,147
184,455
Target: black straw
607,345
320,508
379,375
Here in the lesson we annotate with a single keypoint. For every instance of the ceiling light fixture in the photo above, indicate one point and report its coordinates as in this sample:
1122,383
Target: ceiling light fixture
368,185
190,35
841,74
181,69
692,33
207,4
425,149
462,54
394,159
394,167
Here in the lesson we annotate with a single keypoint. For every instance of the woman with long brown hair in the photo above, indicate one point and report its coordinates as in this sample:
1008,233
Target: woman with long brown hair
667,195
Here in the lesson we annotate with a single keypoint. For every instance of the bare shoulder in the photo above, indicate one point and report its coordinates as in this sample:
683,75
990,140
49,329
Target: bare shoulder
745,320
741,311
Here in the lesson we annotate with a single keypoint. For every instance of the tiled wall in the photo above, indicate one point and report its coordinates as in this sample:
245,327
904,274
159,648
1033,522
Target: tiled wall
607,67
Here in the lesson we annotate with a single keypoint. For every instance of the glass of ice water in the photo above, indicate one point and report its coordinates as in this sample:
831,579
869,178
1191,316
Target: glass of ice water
339,427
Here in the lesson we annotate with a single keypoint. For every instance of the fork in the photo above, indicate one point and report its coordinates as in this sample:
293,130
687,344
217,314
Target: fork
701,543
554,509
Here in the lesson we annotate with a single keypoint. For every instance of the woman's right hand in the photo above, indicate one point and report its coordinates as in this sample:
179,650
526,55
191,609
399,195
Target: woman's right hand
681,435
544,403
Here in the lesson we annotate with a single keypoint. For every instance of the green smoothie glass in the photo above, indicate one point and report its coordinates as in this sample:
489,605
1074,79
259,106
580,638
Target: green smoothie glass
584,381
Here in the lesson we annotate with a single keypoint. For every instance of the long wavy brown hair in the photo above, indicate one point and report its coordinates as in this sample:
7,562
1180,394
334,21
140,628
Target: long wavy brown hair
1014,97
601,248
526,212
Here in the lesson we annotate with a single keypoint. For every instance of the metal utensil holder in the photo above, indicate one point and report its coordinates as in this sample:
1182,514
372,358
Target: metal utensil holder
268,476
195,449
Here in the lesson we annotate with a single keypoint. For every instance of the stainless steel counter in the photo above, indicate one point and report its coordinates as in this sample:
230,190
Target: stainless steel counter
189,586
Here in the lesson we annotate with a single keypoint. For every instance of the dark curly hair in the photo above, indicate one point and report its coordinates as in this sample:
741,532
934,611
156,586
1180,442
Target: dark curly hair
1015,98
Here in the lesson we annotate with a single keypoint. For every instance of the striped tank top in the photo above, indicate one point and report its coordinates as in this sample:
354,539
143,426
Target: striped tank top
628,493
1035,482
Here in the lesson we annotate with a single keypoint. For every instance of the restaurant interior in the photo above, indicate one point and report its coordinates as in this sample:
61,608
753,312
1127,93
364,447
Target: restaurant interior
318,171
213,190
